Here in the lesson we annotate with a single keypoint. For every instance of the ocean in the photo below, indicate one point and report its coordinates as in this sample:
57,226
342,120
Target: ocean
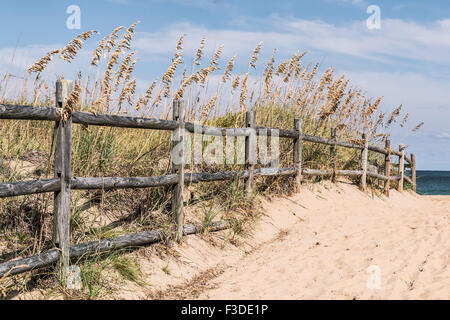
433,182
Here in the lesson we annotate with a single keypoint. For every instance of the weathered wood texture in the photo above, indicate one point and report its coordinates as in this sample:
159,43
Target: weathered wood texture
377,176
51,114
250,152
113,183
401,169
110,183
316,172
413,172
364,156
408,162
387,168
85,118
298,147
408,179
178,159
23,188
333,153
76,251
123,121
63,171
212,131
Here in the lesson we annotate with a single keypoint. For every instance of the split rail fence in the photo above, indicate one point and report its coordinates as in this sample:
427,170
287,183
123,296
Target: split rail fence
63,182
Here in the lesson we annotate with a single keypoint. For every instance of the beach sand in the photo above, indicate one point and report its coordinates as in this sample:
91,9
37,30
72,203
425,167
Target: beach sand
327,242
339,243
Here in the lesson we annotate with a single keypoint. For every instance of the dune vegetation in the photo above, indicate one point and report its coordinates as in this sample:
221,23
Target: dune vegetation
213,93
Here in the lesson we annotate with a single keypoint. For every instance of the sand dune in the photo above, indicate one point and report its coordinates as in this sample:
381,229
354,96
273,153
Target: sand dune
329,242
333,243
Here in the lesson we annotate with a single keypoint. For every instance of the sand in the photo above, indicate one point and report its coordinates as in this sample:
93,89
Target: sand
342,244
327,242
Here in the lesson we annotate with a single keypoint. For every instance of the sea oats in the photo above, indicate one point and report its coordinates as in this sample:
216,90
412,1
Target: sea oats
243,97
123,70
112,38
268,73
394,116
106,44
70,105
206,110
183,75
125,43
255,55
199,53
130,70
40,65
281,68
203,74
292,67
404,120
228,69
180,92
214,62
236,82
179,48
140,103
128,92
313,72
373,107
169,74
148,93
69,52
98,52
416,128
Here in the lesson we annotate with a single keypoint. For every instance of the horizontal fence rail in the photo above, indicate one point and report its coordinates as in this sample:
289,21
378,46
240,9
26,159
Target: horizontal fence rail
23,188
16,112
136,239
63,182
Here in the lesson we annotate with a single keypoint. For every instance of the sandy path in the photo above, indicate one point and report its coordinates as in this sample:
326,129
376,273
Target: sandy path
315,245
328,239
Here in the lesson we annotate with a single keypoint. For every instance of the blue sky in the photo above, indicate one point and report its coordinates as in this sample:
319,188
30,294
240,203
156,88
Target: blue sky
407,61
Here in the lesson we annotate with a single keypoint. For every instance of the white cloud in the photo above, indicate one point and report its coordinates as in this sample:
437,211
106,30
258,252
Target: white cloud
398,40
443,135
23,56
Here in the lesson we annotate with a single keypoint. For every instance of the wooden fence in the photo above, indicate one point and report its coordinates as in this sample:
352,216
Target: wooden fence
63,182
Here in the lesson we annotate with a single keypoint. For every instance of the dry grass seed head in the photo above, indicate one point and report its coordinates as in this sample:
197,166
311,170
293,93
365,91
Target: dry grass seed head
243,97
69,52
404,120
394,116
199,54
416,128
255,55
42,63
228,69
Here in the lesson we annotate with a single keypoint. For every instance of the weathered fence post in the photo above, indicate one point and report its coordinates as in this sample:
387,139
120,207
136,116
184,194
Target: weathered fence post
364,155
178,159
401,167
413,171
333,153
298,144
62,171
387,168
250,151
